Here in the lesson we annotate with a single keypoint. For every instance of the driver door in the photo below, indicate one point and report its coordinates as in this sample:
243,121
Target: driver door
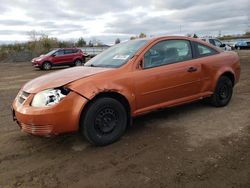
169,74
59,57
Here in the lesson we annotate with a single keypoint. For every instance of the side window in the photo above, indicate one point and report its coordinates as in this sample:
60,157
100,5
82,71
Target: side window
68,51
167,52
203,50
211,41
59,53
217,43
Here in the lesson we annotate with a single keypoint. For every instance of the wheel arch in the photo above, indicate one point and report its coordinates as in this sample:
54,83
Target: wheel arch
109,94
47,61
230,75
77,58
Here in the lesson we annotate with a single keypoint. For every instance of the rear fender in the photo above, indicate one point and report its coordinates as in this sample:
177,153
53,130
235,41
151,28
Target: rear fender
219,73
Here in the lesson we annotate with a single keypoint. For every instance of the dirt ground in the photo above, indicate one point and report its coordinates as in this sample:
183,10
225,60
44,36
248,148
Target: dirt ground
194,145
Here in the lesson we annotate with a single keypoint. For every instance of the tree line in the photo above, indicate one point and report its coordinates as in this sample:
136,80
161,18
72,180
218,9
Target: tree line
42,43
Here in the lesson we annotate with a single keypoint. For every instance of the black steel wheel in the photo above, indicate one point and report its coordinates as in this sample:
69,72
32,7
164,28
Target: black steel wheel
104,121
223,92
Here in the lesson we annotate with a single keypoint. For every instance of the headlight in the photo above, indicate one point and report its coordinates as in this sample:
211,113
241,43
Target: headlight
39,59
49,97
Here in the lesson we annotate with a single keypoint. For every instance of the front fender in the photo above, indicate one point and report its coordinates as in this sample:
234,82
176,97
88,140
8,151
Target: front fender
89,90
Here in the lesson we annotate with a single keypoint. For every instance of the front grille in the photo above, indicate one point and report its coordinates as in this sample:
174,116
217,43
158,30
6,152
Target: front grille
21,100
22,97
42,130
25,94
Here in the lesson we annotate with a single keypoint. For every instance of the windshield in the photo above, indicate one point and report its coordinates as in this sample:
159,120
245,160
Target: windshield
51,52
117,55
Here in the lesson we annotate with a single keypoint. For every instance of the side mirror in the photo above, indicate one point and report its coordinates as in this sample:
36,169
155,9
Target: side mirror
223,45
53,55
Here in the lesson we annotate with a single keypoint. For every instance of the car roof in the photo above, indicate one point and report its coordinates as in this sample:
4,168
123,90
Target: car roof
161,38
182,38
70,48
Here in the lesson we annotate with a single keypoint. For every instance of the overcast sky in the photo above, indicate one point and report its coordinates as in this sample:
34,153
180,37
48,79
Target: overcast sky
108,19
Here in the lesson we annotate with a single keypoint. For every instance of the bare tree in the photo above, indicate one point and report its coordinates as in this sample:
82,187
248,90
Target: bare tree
81,42
133,38
33,35
90,44
195,36
142,35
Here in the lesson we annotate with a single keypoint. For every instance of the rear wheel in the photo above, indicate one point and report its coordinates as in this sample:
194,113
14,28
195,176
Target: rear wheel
104,121
78,62
46,66
223,92
83,60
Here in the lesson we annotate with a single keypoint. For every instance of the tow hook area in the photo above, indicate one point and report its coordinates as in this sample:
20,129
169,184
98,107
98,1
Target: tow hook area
13,115
14,118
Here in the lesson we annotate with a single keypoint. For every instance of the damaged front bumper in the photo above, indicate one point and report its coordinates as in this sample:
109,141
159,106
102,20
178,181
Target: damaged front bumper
46,121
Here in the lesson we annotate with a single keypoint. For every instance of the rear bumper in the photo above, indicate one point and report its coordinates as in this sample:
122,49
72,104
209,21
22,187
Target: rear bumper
60,118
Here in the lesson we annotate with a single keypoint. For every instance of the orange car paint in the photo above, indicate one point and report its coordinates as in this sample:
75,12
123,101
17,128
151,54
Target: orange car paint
53,120
145,90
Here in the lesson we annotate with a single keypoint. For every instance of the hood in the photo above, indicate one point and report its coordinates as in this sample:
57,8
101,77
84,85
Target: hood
60,78
40,57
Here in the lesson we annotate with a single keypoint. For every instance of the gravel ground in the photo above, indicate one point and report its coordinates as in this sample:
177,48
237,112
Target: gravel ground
194,145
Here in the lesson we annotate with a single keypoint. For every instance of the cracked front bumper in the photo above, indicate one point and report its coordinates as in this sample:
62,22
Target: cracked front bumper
46,121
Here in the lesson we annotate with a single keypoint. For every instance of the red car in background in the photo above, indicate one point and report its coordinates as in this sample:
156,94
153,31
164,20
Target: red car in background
60,57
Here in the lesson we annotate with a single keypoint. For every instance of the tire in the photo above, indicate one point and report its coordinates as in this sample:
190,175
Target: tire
46,66
78,62
104,121
223,92
84,60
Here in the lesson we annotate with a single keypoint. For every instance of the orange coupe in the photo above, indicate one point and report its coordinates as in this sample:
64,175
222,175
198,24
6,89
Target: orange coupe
129,79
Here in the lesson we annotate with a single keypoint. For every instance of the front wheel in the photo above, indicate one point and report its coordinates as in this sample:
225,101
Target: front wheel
46,66
104,121
223,92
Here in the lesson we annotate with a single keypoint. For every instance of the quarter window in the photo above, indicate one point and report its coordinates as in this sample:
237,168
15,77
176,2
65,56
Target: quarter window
211,41
217,43
203,50
167,52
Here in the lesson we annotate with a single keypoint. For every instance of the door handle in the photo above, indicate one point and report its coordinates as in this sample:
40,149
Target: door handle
192,69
